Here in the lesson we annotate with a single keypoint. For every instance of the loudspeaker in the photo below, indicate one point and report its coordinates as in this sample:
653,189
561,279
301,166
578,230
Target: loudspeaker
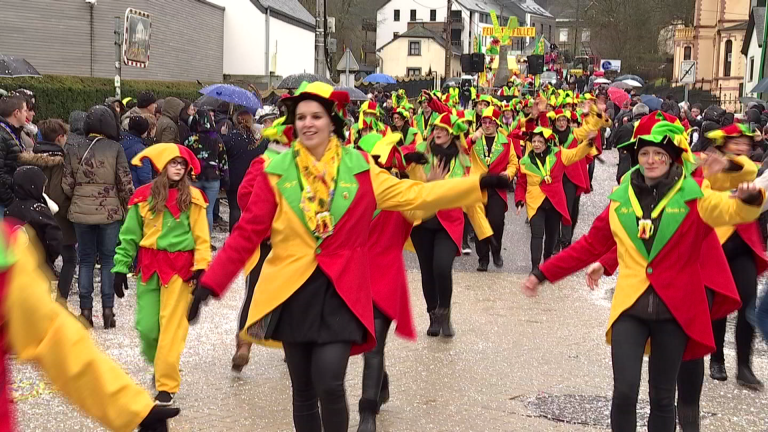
535,64
478,62
466,63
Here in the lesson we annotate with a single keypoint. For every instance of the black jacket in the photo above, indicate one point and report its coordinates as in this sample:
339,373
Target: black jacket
622,135
31,208
242,149
10,148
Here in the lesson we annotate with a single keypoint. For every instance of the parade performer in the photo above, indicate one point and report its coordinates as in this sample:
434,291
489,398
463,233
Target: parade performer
491,152
363,127
313,296
744,248
402,121
658,220
389,285
509,122
37,329
437,239
426,117
167,228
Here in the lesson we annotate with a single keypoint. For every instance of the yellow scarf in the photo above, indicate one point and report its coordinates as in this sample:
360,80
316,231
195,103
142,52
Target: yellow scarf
318,182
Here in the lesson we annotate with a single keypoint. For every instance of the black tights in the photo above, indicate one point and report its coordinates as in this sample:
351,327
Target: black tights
250,282
373,365
436,251
668,341
744,270
545,230
317,371
572,200
494,211
690,379
67,273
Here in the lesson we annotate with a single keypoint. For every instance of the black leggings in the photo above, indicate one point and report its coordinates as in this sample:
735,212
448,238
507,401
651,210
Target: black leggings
234,209
572,200
690,380
545,229
744,270
373,365
67,273
494,211
317,371
250,282
436,251
668,341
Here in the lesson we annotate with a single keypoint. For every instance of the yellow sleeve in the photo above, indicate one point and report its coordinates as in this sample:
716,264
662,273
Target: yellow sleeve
727,180
513,162
592,123
41,331
720,209
198,220
476,215
403,195
572,155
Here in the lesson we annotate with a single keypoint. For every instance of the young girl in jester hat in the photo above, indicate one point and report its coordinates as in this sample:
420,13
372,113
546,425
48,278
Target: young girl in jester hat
167,228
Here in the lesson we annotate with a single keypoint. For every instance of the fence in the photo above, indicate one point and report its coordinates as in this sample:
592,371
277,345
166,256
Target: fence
412,87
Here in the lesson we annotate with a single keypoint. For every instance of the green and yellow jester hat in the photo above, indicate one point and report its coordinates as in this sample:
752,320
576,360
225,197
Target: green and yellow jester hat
659,129
365,123
334,101
384,150
279,132
160,154
734,130
369,107
549,137
451,123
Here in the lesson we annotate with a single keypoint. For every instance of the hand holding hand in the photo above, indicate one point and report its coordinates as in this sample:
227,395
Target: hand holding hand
201,295
157,419
531,286
594,272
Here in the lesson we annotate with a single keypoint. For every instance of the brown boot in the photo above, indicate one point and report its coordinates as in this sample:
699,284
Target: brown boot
242,355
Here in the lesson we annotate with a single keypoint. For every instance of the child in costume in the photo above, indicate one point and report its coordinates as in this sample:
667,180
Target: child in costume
37,329
167,227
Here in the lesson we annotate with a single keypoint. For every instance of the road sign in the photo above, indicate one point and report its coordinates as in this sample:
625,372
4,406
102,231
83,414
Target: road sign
687,72
348,62
611,65
136,37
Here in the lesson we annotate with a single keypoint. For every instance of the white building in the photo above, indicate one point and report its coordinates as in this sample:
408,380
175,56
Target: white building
285,24
752,49
417,51
468,18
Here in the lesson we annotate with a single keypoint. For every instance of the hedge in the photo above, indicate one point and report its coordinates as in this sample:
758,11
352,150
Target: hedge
57,95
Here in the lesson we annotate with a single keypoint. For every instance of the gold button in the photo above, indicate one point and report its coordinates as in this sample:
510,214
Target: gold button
345,195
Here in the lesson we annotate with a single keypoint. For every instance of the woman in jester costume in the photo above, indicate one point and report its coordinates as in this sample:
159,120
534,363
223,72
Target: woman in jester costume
437,239
316,203
167,228
659,220
401,120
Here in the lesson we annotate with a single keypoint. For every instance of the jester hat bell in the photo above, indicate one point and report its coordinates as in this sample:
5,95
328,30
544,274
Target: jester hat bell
160,154
334,101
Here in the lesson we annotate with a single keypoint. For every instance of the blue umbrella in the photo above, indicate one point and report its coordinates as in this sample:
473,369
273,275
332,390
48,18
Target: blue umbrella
379,79
232,94
653,103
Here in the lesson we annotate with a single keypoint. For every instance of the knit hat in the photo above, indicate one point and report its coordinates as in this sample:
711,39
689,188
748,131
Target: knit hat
451,124
735,130
161,154
335,103
664,131
145,99
138,125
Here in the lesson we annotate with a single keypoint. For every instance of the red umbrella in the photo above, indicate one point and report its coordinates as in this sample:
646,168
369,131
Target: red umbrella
617,95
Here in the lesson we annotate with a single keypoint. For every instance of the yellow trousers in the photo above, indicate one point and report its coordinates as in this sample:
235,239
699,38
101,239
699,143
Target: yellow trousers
161,320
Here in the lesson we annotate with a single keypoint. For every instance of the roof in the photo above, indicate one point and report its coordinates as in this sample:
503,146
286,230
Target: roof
420,32
290,11
526,6
739,26
756,21
532,7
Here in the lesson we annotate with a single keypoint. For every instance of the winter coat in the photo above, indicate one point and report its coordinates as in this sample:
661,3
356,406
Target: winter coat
135,111
31,208
167,125
206,144
49,157
10,148
133,145
184,132
242,149
96,173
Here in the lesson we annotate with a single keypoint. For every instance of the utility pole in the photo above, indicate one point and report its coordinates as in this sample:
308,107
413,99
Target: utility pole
320,67
448,48
576,30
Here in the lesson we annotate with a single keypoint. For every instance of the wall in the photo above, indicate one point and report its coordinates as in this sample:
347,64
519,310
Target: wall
55,37
243,38
386,24
397,61
295,48
754,51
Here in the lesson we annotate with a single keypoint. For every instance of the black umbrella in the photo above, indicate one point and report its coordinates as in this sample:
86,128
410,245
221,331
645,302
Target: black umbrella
292,82
354,94
11,66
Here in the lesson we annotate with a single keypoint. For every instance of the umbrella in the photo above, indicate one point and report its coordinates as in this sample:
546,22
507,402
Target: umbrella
632,83
621,85
618,96
207,102
292,82
379,78
354,94
653,103
232,94
602,81
11,66
631,77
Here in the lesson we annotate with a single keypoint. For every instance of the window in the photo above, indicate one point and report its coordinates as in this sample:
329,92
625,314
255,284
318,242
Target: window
687,53
414,48
413,71
550,33
564,35
542,29
433,15
397,15
727,57
752,68
413,14
395,35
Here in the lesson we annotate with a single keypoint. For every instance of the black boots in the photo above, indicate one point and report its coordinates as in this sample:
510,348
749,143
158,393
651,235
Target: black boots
434,324
444,317
717,370
688,418
368,410
384,392
482,266
109,318
86,318
498,261
746,378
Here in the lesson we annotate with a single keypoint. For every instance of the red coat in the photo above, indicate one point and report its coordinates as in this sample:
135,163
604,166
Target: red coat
578,173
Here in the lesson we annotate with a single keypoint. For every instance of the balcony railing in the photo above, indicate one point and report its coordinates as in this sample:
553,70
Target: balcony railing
684,33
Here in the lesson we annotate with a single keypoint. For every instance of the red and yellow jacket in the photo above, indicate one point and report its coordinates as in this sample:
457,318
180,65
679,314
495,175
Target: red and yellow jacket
170,243
672,266
273,209
502,159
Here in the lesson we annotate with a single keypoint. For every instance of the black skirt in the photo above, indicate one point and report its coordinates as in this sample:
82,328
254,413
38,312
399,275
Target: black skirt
315,313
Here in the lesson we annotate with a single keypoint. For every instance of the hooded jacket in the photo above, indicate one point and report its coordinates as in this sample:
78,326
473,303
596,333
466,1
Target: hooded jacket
133,145
168,124
96,172
209,149
10,148
31,208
